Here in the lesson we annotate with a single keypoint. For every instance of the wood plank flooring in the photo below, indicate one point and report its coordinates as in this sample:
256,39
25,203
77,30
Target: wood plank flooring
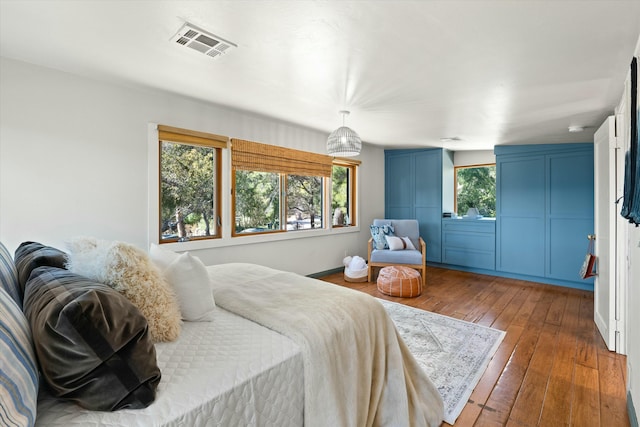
552,368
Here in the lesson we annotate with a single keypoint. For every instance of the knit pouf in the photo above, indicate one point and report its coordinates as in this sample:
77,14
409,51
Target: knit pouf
399,281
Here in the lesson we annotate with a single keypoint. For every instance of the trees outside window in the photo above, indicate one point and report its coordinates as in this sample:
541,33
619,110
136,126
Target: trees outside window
475,187
343,193
267,202
257,201
304,202
188,199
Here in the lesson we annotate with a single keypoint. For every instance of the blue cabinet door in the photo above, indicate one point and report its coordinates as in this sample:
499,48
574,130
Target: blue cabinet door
399,186
428,200
520,223
413,189
544,200
569,212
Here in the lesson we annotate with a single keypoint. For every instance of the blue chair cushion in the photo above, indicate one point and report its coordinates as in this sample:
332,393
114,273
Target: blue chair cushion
396,257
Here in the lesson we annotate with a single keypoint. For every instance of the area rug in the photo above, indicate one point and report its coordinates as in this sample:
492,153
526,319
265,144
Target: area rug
452,352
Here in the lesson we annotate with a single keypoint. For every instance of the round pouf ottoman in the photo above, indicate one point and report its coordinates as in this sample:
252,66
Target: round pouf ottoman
399,281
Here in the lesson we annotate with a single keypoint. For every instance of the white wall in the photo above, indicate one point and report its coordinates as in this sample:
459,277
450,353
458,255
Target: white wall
73,161
632,304
633,322
473,157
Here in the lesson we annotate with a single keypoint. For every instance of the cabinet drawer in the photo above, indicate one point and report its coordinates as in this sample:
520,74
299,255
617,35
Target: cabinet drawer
463,225
469,258
469,240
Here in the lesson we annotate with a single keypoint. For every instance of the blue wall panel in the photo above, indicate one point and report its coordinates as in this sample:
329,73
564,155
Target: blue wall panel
520,225
398,212
521,245
428,172
398,182
413,189
571,184
431,231
570,212
428,200
567,247
521,186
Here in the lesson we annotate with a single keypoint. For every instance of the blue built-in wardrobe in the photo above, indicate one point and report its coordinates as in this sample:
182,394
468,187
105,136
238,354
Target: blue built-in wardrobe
544,204
419,185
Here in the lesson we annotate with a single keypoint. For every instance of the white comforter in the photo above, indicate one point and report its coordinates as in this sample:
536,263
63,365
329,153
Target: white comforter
358,371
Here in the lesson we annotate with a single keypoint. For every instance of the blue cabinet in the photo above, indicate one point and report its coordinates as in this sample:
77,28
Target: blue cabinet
469,243
418,183
544,204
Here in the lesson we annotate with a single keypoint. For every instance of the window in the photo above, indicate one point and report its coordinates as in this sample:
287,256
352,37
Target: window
475,187
257,201
304,202
343,192
277,189
189,184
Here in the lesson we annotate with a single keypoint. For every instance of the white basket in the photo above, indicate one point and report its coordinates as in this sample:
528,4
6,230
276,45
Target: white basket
356,275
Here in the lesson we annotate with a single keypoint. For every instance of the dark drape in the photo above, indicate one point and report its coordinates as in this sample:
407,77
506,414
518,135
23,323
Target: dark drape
631,205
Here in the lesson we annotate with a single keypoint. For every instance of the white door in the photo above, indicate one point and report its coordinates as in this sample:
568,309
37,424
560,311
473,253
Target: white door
605,218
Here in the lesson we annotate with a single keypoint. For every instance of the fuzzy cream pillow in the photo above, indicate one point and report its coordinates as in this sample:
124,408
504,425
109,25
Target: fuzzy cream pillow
130,271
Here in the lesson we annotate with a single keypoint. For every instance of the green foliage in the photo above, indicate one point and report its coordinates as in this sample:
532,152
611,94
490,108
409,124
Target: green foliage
339,188
257,200
187,185
304,197
477,189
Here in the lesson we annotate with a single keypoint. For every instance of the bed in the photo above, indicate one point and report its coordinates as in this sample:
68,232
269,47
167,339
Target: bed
228,372
281,350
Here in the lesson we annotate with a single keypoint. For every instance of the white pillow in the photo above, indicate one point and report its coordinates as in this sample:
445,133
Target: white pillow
161,257
399,243
190,280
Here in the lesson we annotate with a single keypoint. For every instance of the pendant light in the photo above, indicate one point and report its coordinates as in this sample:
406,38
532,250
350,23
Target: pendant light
344,142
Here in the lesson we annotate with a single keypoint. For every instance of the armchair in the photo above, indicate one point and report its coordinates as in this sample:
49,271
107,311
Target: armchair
414,258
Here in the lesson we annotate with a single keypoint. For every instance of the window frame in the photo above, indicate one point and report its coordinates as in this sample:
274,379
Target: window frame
284,161
282,191
455,180
234,233
196,139
352,166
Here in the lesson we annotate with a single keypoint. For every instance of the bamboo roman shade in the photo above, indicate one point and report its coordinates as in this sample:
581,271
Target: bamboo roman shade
186,136
254,156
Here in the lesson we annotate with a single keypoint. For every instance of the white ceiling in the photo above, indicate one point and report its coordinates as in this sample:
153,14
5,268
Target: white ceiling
410,72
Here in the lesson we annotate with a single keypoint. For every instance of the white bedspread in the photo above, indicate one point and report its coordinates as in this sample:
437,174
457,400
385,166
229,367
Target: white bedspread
358,371
228,372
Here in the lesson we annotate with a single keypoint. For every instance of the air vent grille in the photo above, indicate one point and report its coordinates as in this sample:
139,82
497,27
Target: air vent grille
202,41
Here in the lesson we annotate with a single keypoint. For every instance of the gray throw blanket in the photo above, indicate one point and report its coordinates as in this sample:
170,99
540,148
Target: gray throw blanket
358,371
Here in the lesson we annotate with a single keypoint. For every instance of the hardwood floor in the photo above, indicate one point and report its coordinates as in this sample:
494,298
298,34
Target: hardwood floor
552,368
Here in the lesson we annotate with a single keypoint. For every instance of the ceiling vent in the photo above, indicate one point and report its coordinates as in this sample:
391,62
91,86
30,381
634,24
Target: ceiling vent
201,41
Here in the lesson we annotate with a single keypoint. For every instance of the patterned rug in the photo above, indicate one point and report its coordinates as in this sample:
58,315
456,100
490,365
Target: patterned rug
453,353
